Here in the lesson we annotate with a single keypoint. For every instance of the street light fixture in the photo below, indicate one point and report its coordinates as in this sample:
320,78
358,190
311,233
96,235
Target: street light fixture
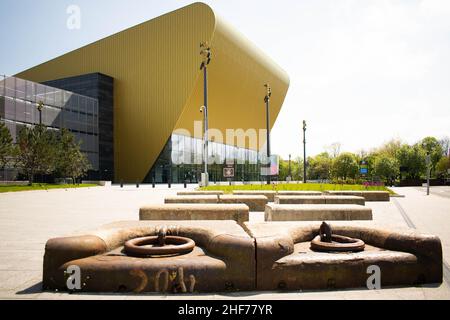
267,101
206,59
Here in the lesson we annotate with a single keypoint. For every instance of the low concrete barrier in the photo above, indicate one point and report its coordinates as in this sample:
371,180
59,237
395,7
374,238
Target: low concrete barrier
368,195
298,193
254,202
316,212
190,211
268,193
319,200
192,199
199,193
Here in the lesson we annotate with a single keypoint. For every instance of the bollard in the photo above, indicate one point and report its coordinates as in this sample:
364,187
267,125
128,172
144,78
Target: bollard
121,183
137,184
185,184
169,183
153,182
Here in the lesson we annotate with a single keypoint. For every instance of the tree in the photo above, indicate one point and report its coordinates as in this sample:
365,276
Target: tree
431,145
412,158
443,166
390,148
345,166
386,167
36,151
70,161
334,149
445,145
6,146
319,167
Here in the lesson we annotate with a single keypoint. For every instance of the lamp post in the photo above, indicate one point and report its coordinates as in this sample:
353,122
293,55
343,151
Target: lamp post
206,59
267,101
40,106
304,151
289,167
428,162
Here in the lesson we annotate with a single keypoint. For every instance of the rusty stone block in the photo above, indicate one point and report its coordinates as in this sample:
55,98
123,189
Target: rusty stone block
285,260
223,259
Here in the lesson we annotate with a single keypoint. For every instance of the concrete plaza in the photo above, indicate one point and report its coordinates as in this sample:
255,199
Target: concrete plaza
28,219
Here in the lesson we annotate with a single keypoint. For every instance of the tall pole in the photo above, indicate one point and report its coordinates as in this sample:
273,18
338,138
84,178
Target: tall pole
289,167
267,101
428,161
206,59
304,151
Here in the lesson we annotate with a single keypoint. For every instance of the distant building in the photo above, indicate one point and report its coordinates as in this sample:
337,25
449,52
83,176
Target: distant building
61,109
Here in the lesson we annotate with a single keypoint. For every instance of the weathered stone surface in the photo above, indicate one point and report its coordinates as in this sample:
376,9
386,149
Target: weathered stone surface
199,193
279,199
268,193
298,193
188,211
223,259
254,202
192,199
316,212
368,195
285,260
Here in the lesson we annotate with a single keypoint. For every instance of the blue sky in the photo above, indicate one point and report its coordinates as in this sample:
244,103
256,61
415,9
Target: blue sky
362,72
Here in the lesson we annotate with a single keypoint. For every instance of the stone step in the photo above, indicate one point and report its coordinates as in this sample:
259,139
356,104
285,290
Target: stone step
192,211
319,200
316,212
368,195
199,192
192,199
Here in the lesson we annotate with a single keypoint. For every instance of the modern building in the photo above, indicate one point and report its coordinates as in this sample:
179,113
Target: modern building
60,109
149,87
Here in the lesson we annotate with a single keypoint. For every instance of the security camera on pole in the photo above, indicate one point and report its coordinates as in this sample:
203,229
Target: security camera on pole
206,59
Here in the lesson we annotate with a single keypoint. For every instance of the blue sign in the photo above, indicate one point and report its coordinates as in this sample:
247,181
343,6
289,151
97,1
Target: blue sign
363,170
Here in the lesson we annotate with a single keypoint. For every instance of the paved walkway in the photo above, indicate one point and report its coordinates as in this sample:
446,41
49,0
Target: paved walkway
29,219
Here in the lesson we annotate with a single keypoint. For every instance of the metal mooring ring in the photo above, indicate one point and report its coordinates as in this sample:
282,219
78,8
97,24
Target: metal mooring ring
173,245
339,243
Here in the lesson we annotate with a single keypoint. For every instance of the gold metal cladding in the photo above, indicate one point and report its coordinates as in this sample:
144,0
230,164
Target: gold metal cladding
158,85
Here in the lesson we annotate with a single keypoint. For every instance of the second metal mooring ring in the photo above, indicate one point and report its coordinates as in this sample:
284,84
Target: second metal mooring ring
339,243
141,247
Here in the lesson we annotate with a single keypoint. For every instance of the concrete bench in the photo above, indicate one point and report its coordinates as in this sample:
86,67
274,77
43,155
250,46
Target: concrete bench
254,202
298,193
199,193
319,200
316,212
368,195
192,199
191,211
270,194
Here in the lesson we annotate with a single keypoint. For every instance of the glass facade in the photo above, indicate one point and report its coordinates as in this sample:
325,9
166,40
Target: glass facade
182,160
62,109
